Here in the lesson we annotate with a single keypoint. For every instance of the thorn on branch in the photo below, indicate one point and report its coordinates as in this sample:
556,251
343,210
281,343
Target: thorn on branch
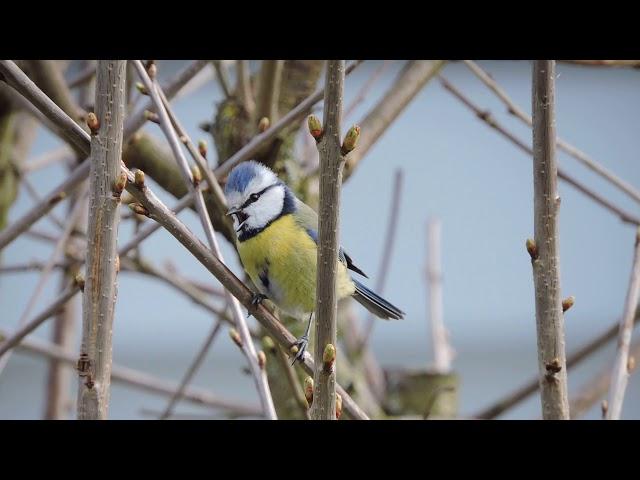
532,248
93,123
328,357
315,127
350,140
631,364
117,261
567,303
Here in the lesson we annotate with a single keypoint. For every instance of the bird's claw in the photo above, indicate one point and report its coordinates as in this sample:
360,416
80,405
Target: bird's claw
256,300
302,343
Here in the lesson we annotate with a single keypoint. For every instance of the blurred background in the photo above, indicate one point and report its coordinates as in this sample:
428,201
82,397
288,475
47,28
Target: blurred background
455,168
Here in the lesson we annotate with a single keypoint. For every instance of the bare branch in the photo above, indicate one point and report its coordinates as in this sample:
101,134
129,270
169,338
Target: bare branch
546,264
106,183
486,117
409,83
595,389
222,77
194,186
532,386
605,63
191,371
621,370
136,378
331,165
243,87
11,74
442,351
159,212
269,80
561,144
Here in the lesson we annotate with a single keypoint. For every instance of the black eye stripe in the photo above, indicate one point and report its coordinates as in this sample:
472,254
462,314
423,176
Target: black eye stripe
255,196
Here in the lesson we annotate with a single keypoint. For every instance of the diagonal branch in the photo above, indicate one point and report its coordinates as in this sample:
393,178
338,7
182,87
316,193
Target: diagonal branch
561,144
136,378
414,76
167,219
488,119
621,369
247,346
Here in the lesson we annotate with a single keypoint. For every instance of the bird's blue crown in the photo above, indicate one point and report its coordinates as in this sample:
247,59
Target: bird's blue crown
242,174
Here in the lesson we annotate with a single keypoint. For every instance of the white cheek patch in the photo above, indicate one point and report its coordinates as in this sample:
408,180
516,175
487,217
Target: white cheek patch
234,199
266,208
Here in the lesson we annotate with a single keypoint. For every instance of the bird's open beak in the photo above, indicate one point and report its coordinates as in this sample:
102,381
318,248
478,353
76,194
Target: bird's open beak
240,215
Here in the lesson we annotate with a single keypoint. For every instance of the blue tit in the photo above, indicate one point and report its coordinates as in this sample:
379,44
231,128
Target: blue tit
277,237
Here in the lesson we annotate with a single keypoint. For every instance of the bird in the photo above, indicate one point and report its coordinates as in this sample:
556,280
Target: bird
277,242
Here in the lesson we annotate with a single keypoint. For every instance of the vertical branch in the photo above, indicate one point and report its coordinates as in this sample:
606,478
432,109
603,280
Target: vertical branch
58,402
269,89
243,87
331,165
106,182
623,365
442,351
193,183
545,250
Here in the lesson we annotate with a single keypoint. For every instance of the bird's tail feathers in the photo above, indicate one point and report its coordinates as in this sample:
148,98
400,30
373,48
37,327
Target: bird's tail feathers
376,304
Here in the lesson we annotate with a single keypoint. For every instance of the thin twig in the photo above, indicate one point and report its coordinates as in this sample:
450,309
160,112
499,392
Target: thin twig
488,119
247,343
522,393
167,219
82,77
387,250
222,77
135,378
552,363
60,154
605,63
366,87
44,277
596,388
269,80
75,135
12,74
243,87
442,351
561,144
621,369
191,371
410,81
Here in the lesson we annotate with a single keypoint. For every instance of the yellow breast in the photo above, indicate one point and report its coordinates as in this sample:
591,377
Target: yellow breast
281,261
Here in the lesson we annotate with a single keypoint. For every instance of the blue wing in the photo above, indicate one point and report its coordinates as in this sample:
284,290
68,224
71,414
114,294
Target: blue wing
344,258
